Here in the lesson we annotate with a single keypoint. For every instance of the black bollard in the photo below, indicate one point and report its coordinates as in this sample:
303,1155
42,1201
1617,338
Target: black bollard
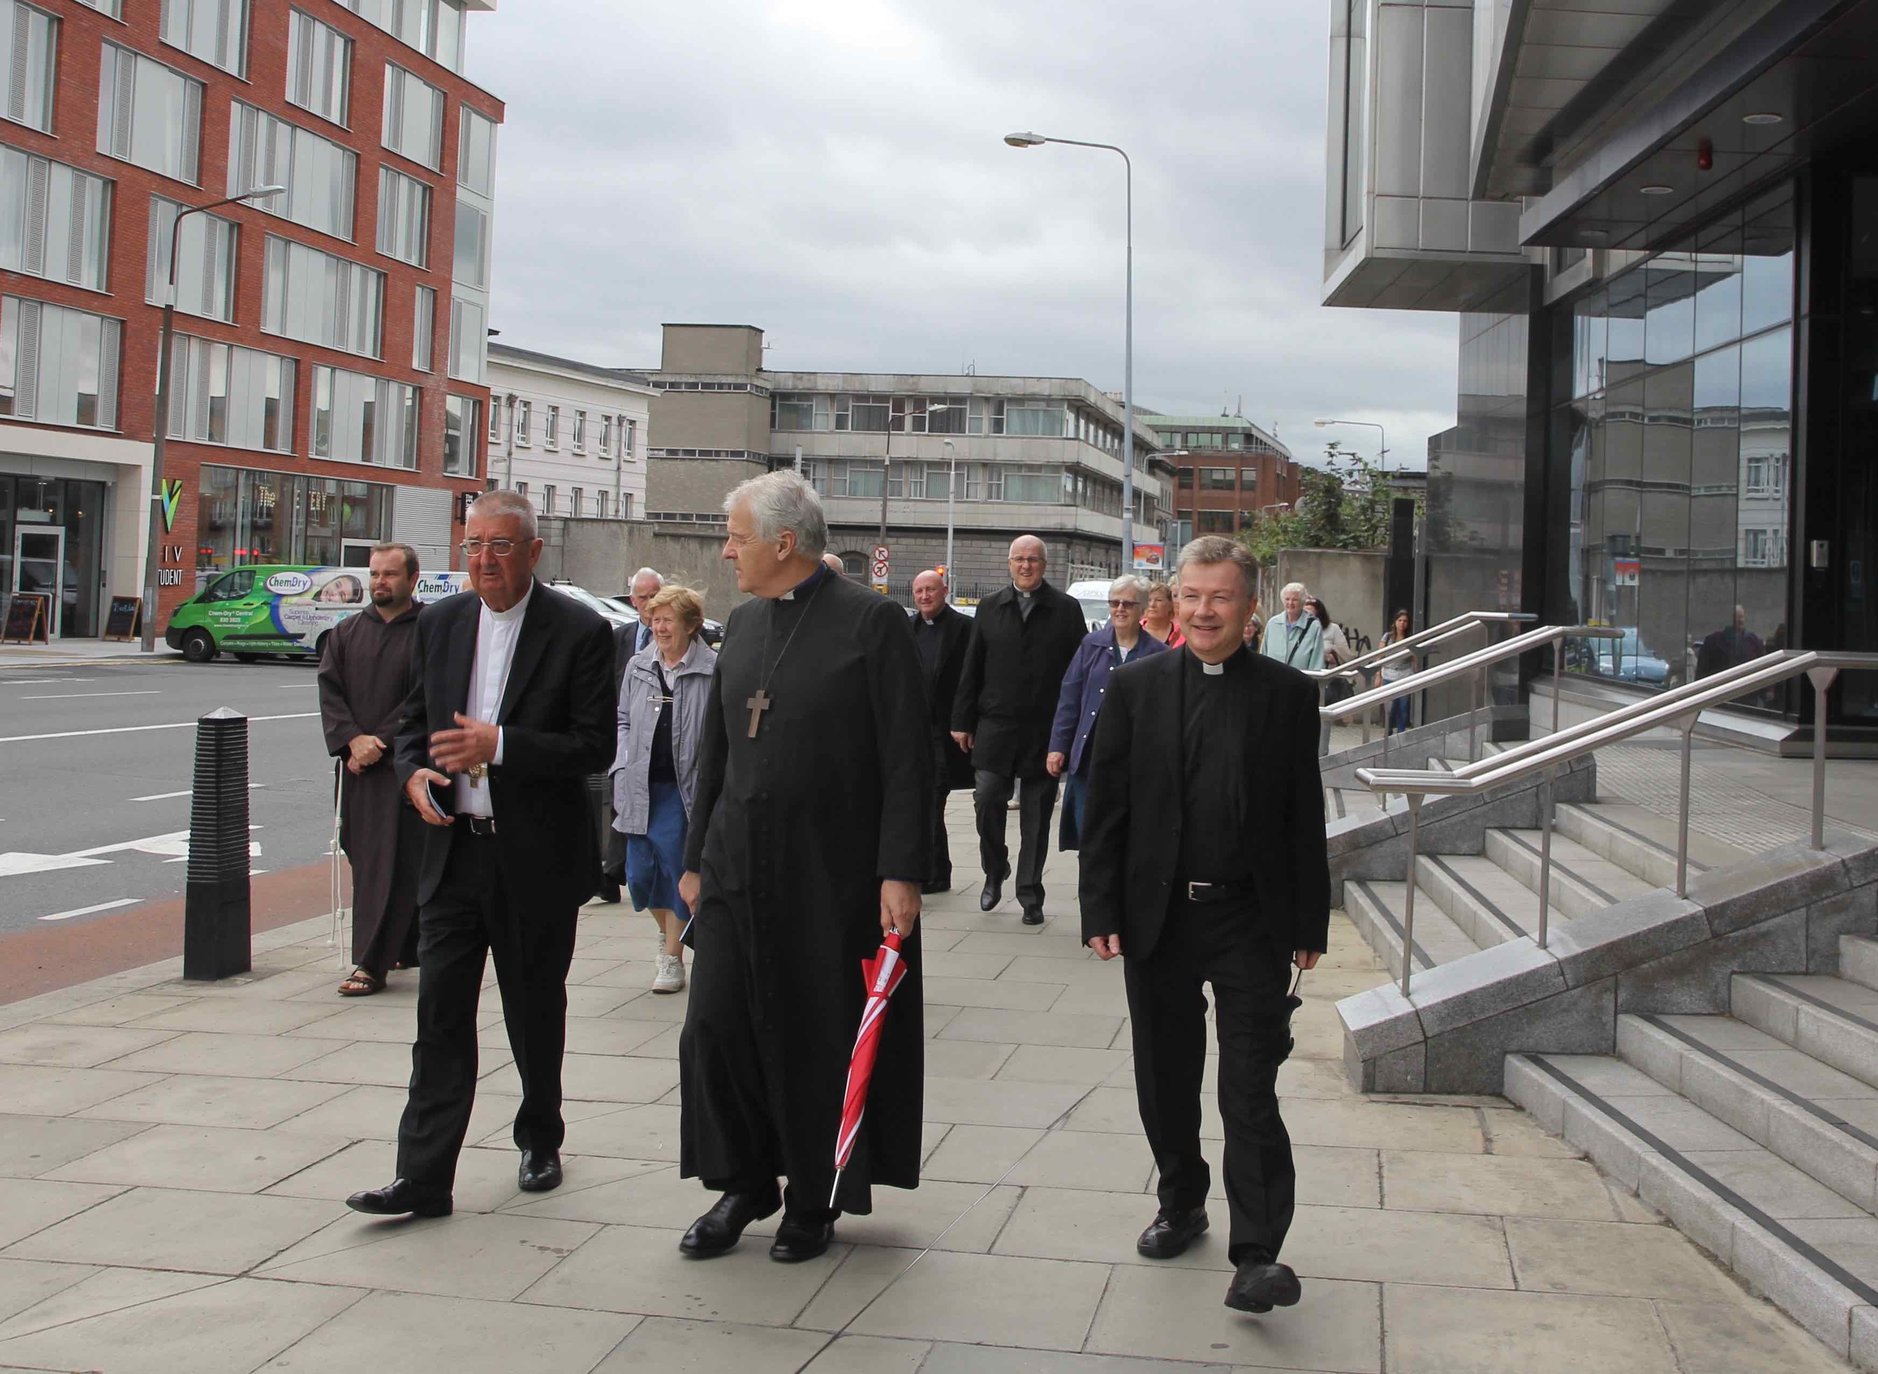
216,928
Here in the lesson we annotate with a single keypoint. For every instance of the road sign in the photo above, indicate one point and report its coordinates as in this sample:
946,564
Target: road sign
880,553
881,563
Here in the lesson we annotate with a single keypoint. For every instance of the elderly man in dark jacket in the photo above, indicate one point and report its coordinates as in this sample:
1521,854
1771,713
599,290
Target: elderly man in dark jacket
941,634
1023,639
1120,641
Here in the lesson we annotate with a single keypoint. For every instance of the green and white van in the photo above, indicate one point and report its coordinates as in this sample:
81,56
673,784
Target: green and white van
275,608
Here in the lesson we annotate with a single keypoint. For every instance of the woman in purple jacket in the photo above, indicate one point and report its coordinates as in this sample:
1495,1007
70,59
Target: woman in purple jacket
1103,651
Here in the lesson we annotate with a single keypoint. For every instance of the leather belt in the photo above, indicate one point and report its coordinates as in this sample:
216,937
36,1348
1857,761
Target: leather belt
477,825
1201,893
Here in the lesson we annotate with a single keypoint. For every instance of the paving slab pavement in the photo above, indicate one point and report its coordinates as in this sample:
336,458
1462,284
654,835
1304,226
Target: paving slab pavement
174,1159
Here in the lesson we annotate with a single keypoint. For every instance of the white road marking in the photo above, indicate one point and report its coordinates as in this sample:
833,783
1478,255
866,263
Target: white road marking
89,910
73,696
166,796
172,847
133,729
40,681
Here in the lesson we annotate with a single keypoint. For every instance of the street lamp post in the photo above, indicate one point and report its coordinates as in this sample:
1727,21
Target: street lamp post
952,502
1382,438
1032,140
161,438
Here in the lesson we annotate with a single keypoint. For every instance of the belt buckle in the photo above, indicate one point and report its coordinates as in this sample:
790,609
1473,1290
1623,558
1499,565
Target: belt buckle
1194,891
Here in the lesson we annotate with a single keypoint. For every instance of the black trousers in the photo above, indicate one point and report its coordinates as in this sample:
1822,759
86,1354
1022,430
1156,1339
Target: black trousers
1036,801
470,916
941,846
1223,944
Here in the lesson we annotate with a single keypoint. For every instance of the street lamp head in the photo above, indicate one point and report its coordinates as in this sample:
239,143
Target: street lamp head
262,192
1025,140
1320,423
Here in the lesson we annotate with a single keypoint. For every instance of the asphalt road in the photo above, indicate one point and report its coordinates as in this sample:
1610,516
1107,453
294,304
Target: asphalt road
95,771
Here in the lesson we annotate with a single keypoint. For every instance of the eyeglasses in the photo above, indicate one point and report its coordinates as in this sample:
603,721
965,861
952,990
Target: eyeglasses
501,548
1024,558
1116,604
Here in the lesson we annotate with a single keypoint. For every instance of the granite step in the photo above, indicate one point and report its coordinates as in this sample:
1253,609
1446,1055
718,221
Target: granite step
1376,910
1483,899
1583,881
1833,1020
1641,841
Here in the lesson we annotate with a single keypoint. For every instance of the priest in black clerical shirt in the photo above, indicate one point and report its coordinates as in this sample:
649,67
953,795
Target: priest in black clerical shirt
811,838
1221,745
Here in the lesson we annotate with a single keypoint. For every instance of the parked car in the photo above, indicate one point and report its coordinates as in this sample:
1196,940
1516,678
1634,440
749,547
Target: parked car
1629,659
611,613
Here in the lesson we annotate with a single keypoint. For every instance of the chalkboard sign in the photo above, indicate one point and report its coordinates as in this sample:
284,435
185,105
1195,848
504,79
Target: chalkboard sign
125,620
26,618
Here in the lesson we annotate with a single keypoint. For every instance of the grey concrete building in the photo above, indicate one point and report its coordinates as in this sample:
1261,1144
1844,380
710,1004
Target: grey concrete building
1016,455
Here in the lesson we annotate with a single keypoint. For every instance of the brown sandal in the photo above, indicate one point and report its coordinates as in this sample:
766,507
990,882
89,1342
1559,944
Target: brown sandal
359,983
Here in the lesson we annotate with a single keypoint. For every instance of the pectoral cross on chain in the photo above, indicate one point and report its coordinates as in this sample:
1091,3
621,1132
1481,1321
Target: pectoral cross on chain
758,704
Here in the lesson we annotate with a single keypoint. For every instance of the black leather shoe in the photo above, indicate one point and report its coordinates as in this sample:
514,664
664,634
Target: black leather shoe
798,1240
1170,1233
936,886
400,1197
1033,915
994,891
540,1171
1260,1283
719,1229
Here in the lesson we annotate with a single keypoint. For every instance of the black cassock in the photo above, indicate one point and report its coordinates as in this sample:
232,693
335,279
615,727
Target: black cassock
798,826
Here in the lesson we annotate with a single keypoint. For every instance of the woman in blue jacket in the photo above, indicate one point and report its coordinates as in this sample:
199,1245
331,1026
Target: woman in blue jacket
1102,652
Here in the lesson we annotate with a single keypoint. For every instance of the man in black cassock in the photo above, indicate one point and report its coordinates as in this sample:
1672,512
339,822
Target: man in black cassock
364,677
941,634
810,838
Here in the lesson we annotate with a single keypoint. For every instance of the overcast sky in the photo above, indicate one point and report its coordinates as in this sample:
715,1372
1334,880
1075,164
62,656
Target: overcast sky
833,172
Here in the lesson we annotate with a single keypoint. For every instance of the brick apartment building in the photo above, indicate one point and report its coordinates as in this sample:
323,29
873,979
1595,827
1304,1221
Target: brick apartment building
1226,469
328,371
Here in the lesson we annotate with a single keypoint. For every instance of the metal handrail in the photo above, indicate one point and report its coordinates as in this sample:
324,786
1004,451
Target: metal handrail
1679,709
1422,640
1476,663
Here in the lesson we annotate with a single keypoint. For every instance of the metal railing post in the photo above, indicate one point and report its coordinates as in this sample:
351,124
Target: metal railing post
1473,717
1558,679
1682,811
1414,800
1822,680
1546,803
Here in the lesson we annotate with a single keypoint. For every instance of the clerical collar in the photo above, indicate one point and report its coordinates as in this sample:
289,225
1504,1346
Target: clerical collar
807,584
514,612
1234,662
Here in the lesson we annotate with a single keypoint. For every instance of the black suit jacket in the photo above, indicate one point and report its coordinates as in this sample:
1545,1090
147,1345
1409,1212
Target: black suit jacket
1132,819
942,685
557,719
1013,672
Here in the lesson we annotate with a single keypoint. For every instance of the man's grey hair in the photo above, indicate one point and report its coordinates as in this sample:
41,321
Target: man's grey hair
1209,549
508,505
658,578
1128,582
782,500
1043,549
1303,592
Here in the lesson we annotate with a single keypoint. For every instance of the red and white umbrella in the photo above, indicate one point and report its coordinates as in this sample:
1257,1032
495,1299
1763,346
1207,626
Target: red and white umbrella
881,975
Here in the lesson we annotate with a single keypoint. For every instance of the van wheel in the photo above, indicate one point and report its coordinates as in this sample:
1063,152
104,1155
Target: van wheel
198,646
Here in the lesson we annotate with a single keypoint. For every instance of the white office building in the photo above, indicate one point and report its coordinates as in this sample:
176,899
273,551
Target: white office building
570,436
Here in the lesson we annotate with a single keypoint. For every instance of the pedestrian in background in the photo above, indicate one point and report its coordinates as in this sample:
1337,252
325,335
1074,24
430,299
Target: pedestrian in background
1211,746
364,677
646,584
941,634
1157,616
1023,638
1122,640
1295,638
655,766
1336,652
510,712
1399,630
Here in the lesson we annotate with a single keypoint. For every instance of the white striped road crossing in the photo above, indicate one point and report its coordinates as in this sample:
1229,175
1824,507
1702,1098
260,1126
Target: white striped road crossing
134,729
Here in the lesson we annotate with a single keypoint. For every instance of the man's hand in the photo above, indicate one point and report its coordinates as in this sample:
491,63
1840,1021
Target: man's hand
417,788
363,752
461,749
1054,763
1306,959
690,888
963,738
1106,946
899,906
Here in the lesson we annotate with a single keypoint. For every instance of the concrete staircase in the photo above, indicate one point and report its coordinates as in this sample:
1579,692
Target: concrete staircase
1756,1132
1602,852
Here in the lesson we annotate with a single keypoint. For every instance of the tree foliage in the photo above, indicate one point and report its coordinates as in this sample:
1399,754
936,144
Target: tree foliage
1342,506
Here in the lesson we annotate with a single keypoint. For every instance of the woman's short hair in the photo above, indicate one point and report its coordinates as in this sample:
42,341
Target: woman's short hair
686,604
782,500
1165,589
1128,582
1291,587
1217,548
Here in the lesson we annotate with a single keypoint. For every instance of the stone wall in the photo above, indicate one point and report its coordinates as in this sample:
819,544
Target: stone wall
1350,581
602,556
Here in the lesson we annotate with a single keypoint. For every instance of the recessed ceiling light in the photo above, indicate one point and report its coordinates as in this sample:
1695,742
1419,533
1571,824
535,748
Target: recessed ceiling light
1657,189
1762,117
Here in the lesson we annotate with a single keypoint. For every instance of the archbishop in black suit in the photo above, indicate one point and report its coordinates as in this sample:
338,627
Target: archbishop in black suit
941,634
511,709
1204,861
